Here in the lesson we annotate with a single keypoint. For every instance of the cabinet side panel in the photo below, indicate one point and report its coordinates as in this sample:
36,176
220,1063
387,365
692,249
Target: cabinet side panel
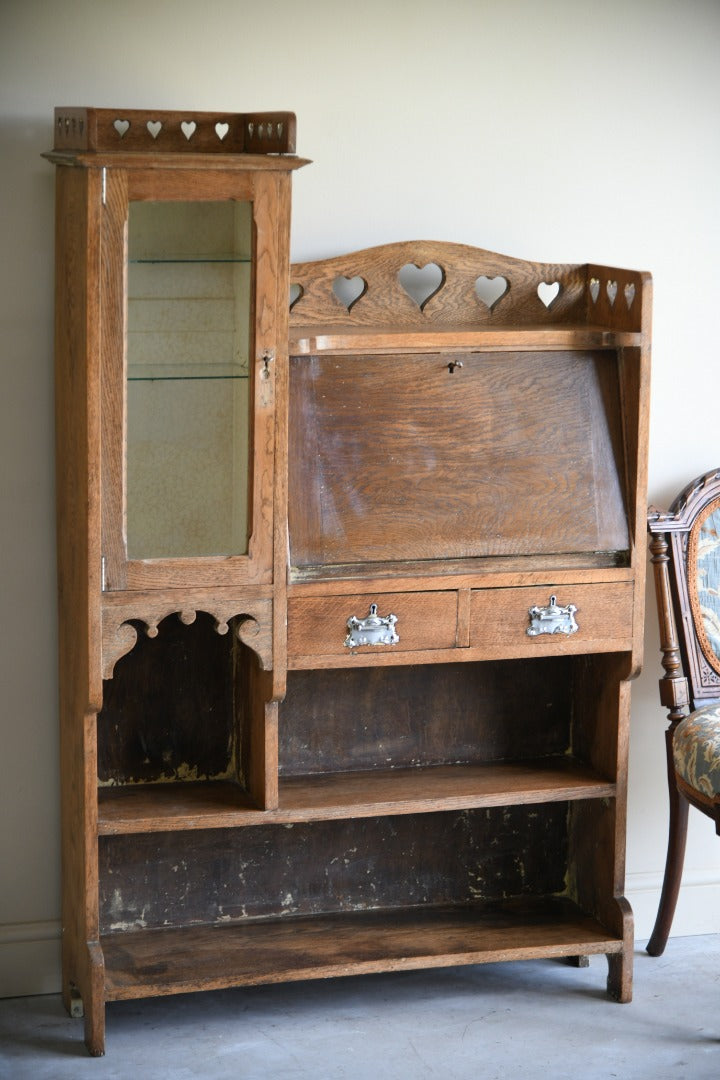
78,478
263,364
282,379
113,284
635,388
594,829
597,829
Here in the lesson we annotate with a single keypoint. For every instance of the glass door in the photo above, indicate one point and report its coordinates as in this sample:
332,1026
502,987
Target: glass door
190,324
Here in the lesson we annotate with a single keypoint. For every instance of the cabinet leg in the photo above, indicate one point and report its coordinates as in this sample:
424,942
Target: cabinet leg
94,1016
94,1001
95,1029
620,976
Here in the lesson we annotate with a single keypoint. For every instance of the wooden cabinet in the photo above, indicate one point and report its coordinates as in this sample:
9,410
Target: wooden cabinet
466,497
346,628
171,345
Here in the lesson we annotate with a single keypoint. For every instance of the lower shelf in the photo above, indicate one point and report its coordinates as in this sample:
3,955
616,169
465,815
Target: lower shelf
147,963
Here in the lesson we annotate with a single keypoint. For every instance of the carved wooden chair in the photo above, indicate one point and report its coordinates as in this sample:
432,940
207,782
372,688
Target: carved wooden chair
685,547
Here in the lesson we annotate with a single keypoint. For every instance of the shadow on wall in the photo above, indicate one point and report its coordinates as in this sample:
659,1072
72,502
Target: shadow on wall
28,649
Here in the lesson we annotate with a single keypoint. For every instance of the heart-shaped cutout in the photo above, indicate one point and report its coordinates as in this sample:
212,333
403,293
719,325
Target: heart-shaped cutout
221,130
629,292
349,290
154,127
594,289
421,283
548,291
490,290
121,126
296,292
188,128
611,290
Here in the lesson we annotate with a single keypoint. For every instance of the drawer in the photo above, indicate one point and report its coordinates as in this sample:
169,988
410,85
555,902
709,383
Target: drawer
601,622
318,626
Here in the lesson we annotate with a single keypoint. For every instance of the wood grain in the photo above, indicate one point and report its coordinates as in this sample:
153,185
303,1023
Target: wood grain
309,340
178,960
385,300
122,613
499,621
77,388
396,458
319,626
198,721
167,807
351,719
269,196
163,131
265,804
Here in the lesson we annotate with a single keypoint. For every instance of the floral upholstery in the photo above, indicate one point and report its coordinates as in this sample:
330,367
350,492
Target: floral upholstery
708,578
696,750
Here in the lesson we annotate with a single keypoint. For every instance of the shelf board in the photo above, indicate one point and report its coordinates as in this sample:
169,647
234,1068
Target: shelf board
308,340
219,804
480,572
142,963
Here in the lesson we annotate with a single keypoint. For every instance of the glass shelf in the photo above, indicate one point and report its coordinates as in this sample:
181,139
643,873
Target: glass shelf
162,259
183,372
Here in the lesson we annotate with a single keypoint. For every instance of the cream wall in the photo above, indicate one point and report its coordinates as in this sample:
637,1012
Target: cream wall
562,131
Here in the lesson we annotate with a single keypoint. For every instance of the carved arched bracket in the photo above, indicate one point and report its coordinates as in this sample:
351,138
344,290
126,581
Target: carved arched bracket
253,627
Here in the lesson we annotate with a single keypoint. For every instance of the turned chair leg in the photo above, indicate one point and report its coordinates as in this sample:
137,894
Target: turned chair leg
677,836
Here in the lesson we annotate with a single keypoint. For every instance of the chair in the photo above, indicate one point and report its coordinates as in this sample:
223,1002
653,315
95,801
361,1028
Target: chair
685,550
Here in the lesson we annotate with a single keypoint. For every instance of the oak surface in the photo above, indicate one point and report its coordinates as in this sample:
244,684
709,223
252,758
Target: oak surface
453,436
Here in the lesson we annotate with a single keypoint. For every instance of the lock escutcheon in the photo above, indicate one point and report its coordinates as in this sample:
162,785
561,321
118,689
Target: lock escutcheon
374,629
552,619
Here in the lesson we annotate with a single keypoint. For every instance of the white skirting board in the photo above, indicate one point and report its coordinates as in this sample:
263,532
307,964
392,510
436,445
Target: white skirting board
30,958
698,906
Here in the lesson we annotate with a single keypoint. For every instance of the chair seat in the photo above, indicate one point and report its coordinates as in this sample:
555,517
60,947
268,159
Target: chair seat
696,751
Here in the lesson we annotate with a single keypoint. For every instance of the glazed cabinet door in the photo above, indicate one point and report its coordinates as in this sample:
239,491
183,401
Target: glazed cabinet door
189,336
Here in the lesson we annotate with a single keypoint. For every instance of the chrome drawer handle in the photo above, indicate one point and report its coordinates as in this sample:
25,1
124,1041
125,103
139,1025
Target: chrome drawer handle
374,629
552,619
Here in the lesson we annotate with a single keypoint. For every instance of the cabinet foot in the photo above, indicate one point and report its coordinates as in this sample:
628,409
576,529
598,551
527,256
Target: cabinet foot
581,961
77,1009
619,983
95,1030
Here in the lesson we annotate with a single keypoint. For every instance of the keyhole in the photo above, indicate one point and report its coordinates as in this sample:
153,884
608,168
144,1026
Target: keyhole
453,364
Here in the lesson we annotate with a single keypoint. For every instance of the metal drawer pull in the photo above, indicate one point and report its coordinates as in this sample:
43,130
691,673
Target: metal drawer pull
552,619
374,629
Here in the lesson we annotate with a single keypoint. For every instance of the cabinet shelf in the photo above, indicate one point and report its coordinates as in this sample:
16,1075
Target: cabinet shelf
173,961
306,341
216,804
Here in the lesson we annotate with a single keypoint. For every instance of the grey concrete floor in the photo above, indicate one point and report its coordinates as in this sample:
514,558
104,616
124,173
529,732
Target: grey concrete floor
539,1019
